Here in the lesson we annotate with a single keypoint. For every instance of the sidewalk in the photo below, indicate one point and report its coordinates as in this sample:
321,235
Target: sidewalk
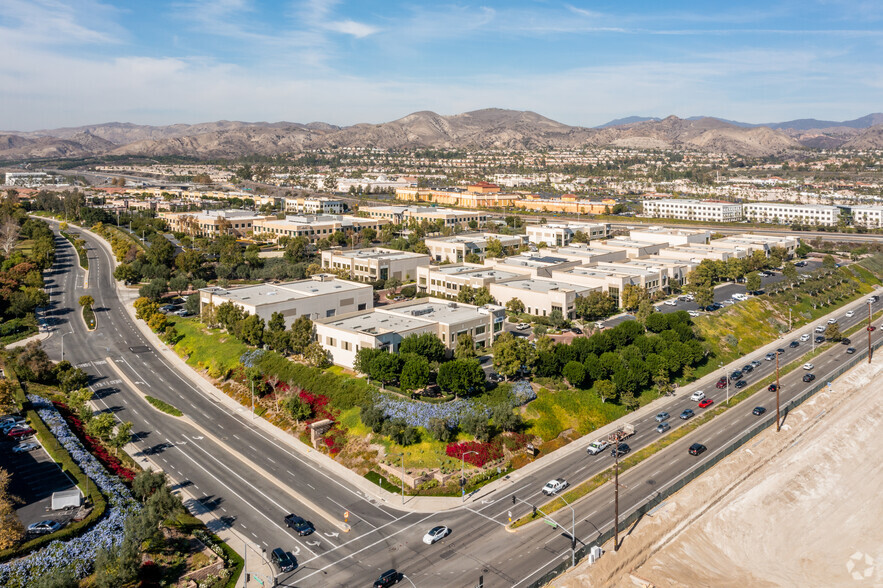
43,334
429,504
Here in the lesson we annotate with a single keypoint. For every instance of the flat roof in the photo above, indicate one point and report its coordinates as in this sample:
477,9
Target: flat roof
274,293
617,242
474,238
437,310
603,272
379,322
534,260
377,253
544,285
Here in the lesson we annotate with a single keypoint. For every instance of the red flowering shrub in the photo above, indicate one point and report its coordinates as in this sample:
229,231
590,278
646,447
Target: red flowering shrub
93,445
484,452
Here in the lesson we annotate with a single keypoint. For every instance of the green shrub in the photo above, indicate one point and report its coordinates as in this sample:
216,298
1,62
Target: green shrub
163,406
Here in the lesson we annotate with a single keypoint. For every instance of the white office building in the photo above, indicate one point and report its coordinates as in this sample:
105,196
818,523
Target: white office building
786,214
698,210
375,263
561,234
869,217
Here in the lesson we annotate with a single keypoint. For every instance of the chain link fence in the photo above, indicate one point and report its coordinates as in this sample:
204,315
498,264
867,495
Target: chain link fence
676,485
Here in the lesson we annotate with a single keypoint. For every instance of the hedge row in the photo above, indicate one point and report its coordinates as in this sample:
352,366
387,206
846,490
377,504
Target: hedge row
164,406
343,391
63,458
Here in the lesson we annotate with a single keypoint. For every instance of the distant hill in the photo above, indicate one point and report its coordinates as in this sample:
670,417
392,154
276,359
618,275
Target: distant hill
480,129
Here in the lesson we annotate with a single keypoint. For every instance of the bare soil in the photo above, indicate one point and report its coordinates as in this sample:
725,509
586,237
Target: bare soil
801,507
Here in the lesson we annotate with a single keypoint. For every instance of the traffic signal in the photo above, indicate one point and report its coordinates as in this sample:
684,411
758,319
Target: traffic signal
513,499
534,511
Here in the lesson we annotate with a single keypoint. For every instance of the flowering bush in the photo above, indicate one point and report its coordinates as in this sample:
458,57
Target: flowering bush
94,446
251,358
320,406
418,414
78,553
484,452
522,393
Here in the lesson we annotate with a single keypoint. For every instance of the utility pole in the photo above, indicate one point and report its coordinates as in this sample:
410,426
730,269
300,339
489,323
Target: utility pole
572,533
870,302
403,478
778,421
614,439
252,399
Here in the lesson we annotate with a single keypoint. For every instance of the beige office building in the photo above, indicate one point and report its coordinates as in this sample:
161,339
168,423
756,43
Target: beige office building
449,217
455,249
561,234
612,278
321,296
671,237
314,227
209,223
541,296
376,263
446,281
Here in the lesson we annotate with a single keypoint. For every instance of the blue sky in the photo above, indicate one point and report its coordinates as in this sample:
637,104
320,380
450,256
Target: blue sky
75,62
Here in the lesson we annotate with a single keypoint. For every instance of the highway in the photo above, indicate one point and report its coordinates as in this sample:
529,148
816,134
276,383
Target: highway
248,479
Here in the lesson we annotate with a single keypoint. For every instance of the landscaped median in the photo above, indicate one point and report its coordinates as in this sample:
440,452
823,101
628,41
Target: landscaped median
163,406
80,246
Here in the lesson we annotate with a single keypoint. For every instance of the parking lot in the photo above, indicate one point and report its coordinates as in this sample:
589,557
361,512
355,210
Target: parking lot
35,476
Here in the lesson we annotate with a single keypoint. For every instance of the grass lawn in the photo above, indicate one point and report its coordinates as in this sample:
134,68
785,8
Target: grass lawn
426,454
207,348
349,419
581,410
26,246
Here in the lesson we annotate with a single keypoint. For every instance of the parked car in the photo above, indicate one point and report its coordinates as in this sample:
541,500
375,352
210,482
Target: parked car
662,427
576,331
44,527
436,534
596,447
388,578
686,414
620,450
182,313
20,432
671,302
697,395
522,326
758,410
850,350
741,384
706,403
809,377
283,560
662,416
693,313
300,525
24,447
697,448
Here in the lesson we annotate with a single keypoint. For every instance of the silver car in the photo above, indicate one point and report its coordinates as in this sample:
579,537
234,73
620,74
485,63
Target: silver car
662,427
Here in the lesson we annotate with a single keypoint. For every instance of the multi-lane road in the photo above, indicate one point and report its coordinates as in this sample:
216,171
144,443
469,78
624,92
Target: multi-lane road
248,478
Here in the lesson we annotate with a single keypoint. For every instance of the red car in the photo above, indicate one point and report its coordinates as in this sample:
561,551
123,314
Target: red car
872,328
19,433
722,383
706,403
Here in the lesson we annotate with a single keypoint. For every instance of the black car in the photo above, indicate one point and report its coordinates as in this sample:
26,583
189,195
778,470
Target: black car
687,413
808,377
819,339
845,341
576,331
758,410
741,384
697,448
301,526
388,578
283,560
772,387
780,351
737,375
747,368
850,350
794,344
621,449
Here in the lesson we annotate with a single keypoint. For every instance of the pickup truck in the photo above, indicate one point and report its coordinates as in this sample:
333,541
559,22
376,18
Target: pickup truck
554,486
596,447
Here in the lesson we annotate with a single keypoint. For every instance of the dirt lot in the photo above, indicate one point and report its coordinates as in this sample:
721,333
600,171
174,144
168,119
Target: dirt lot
799,508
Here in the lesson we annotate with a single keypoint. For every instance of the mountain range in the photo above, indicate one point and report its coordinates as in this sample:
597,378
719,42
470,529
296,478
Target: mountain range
488,128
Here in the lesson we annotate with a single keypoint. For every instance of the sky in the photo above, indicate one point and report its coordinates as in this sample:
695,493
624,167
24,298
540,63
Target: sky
78,62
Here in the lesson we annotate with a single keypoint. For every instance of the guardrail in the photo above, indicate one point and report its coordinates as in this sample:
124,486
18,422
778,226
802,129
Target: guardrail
676,485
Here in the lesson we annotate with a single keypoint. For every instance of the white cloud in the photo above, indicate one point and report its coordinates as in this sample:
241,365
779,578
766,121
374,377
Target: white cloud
351,27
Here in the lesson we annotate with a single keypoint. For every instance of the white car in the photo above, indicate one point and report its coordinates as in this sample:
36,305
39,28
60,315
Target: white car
522,326
740,297
850,313
596,447
671,302
599,325
555,486
436,534
804,337
24,447
697,395
808,366
832,321
44,527
820,329
693,313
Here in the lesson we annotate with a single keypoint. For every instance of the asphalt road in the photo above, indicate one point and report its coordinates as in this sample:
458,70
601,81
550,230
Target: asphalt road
223,465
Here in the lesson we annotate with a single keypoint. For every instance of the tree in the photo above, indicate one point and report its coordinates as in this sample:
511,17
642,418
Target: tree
441,430
632,296
316,355
511,353
301,333
101,426
9,231
122,436
154,290
753,282
461,376
645,309
86,301
415,373
426,344
505,419
606,390
157,322
145,308
483,297
32,364
828,262
477,426
465,347
276,322
515,305
595,305
364,358
832,332
161,250
298,409
704,296
556,318
790,273
7,398
178,284
126,274
11,529
466,295
385,367
575,373
251,330
373,417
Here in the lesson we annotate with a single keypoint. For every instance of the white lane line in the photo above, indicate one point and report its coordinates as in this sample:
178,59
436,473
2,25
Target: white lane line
487,517
344,509
136,373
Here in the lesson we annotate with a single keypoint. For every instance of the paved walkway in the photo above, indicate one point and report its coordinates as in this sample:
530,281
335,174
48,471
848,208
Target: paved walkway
427,504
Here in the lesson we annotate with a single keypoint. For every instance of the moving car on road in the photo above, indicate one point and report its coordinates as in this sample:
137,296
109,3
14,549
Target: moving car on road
620,450
758,410
697,395
794,344
553,487
808,366
809,377
706,403
772,387
845,341
662,427
436,534
747,368
686,414
283,560
596,447
722,383
741,384
662,416
301,526
388,578
850,350
804,337
697,448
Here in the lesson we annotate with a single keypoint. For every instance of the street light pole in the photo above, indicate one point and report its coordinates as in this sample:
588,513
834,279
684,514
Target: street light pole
778,421
462,479
403,478
572,533
870,302
62,344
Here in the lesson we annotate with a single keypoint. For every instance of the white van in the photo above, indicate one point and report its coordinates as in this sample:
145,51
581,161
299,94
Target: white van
697,395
